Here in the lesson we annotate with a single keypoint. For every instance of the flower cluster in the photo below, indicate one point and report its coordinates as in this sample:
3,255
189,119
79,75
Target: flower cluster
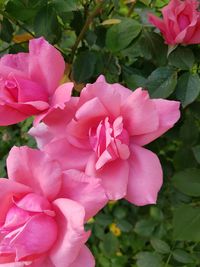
90,151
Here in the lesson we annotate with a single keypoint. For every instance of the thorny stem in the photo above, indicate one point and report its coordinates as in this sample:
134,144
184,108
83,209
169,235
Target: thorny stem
85,28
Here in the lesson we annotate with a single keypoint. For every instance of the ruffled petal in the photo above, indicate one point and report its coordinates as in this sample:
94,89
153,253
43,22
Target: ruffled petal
35,169
139,113
168,113
85,257
114,176
67,155
46,65
8,190
84,189
71,237
145,177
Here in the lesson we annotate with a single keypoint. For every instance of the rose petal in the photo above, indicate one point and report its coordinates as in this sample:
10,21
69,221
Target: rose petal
35,169
46,65
114,176
145,177
36,237
139,113
70,219
84,189
85,257
169,113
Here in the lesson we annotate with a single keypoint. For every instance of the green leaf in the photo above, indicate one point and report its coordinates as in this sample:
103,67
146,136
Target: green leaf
145,227
196,151
110,244
119,36
189,131
6,30
46,24
186,223
153,47
182,58
84,66
188,88
134,81
124,225
160,246
65,5
24,10
182,256
162,82
188,182
148,259
184,158
104,219
120,212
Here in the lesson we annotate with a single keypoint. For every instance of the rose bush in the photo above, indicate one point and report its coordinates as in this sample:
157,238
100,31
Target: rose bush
41,222
101,142
180,23
105,138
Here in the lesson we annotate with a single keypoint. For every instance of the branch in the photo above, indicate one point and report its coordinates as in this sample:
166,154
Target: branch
85,28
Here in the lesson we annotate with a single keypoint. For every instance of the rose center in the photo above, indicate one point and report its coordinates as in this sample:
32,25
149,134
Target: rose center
110,141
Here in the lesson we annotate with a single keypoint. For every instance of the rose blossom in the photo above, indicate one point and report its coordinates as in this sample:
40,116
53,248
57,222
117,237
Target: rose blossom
105,138
41,222
180,23
29,83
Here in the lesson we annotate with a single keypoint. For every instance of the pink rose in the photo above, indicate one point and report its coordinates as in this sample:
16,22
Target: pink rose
105,138
41,222
180,23
29,83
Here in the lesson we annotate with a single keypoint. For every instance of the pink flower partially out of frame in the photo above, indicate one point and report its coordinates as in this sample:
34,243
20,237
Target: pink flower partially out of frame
106,135
180,23
41,221
30,83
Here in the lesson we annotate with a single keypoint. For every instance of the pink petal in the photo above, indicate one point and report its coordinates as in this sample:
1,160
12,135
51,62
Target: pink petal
139,113
46,65
67,155
14,264
157,22
62,95
12,115
30,91
16,64
91,109
42,134
35,169
36,237
42,262
105,92
8,190
195,39
169,113
33,203
71,237
114,176
85,257
84,189
145,177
